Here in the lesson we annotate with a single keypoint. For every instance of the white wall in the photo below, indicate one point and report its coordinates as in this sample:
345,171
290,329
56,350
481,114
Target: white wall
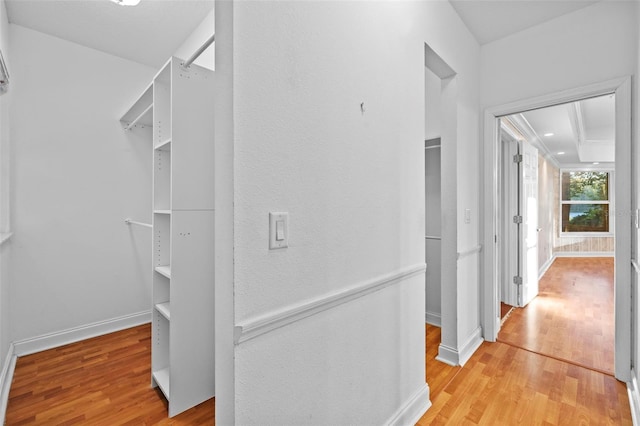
588,46
353,185
196,39
76,176
5,151
635,196
547,192
433,114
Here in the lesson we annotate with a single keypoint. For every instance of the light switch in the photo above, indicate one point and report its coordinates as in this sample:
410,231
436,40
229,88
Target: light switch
278,230
467,216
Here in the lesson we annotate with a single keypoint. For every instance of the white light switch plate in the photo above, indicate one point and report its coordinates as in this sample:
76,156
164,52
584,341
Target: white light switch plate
278,230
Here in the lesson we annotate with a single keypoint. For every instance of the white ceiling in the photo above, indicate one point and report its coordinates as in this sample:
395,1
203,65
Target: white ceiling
583,130
490,20
148,33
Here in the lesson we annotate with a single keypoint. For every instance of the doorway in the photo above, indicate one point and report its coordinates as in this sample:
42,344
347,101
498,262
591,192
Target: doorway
621,191
559,228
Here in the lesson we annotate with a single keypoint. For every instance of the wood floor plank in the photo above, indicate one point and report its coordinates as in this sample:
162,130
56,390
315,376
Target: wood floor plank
573,316
100,381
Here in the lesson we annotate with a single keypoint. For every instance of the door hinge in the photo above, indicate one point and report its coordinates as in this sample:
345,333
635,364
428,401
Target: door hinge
517,280
517,158
517,219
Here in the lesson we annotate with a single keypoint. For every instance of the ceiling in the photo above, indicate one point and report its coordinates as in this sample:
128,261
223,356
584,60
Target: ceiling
583,131
148,33
490,20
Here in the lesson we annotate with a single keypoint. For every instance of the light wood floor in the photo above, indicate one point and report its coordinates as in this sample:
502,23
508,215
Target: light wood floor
100,381
569,380
572,318
105,381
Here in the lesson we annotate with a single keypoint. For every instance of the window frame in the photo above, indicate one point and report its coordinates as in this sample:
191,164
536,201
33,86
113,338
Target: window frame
610,203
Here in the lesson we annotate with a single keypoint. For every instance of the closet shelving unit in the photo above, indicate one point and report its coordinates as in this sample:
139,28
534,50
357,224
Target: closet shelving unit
178,105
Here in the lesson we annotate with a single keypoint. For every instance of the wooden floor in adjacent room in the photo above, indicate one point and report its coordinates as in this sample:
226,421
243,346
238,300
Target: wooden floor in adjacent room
100,381
568,382
572,318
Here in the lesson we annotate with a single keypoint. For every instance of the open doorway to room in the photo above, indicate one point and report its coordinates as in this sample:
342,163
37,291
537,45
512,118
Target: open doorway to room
557,275
580,234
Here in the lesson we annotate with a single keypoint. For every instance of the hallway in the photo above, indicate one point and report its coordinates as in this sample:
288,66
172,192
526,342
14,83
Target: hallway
551,365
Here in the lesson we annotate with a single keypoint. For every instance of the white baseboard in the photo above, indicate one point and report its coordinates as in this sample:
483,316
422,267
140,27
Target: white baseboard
6,377
471,345
455,357
432,318
546,266
447,355
72,335
413,409
584,254
634,398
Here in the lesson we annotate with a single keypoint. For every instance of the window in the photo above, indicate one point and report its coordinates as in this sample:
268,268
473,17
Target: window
585,201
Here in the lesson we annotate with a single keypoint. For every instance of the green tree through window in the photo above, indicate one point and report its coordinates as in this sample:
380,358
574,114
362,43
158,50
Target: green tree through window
585,201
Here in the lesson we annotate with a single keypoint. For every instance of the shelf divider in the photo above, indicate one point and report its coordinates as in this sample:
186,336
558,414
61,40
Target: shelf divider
164,270
162,378
164,309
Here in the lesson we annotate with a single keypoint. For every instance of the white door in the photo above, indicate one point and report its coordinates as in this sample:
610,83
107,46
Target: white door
510,256
528,229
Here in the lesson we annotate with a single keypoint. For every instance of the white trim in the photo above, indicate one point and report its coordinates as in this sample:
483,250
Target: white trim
413,409
76,334
636,266
256,326
6,377
522,125
472,344
433,318
447,355
545,267
634,398
465,253
584,254
5,236
454,357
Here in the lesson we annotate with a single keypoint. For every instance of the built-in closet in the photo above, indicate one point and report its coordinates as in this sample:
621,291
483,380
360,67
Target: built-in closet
174,115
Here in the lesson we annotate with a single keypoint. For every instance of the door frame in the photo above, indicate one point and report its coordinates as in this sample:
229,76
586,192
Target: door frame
490,312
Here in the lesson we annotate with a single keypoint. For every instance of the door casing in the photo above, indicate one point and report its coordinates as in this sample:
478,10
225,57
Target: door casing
491,235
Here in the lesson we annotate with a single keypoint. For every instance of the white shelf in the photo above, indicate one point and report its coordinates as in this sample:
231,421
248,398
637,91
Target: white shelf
164,309
5,236
183,218
141,112
162,379
164,270
164,146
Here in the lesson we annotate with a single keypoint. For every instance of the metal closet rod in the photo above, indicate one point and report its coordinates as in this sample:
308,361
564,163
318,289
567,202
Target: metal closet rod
198,52
128,221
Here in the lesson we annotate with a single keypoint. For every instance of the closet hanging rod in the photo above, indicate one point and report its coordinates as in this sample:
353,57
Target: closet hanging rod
198,52
128,221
